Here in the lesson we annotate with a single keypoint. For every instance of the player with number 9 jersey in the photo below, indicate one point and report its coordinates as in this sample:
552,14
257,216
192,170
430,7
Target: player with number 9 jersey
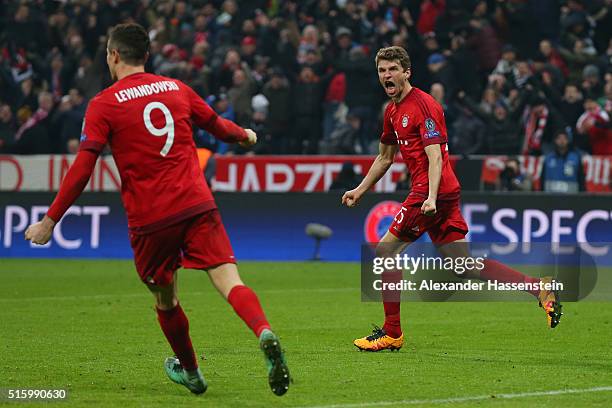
147,121
173,221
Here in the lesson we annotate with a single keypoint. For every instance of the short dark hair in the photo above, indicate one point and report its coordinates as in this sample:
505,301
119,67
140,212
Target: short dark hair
392,54
131,41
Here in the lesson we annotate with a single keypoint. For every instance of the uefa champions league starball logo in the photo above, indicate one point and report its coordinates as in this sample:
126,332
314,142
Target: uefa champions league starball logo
379,219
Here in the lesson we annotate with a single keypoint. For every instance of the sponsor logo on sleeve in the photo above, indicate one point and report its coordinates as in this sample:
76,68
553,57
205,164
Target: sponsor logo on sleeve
430,126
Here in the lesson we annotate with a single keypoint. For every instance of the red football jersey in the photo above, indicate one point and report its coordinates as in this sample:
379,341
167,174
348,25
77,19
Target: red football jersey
418,121
147,121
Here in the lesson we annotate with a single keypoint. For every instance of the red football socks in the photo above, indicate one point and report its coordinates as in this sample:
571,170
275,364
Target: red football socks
246,305
175,326
391,304
494,270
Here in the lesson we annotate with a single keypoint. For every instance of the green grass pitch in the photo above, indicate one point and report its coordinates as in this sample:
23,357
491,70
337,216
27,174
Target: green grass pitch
89,326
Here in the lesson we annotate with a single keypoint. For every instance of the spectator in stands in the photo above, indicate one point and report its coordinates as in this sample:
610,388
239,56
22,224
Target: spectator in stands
440,71
32,137
362,91
439,94
512,178
344,42
553,57
346,179
24,30
307,108
240,94
89,75
223,75
248,48
344,138
577,59
26,95
541,121
571,105
467,134
595,124
278,92
59,77
503,127
463,63
484,39
591,81
489,100
507,64
333,104
7,126
562,169
265,143
430,10
69,122
577,27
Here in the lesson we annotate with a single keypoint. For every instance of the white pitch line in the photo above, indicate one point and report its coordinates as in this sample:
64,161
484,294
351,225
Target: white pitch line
146,294
467,399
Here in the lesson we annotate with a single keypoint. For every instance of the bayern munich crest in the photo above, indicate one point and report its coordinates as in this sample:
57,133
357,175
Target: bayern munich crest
404,120
379,219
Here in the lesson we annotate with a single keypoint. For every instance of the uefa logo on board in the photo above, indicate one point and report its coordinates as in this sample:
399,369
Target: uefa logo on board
379,219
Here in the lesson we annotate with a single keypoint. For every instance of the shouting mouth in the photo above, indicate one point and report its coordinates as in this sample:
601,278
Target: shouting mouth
390,87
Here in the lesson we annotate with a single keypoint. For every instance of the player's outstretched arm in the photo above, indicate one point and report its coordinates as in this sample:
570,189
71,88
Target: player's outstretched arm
226,130
381,164
75,181
434,172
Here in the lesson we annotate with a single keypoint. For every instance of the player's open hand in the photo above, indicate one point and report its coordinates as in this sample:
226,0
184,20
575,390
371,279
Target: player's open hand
250,140
351,197
40,233
429,207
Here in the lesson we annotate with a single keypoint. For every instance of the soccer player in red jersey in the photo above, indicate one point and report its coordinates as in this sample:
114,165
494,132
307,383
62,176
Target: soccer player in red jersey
172,217
414,124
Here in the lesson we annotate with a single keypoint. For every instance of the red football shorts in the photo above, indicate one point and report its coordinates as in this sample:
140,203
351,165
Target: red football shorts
199,242
445,226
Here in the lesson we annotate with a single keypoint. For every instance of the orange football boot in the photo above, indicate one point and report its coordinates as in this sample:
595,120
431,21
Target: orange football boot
549,301
378,341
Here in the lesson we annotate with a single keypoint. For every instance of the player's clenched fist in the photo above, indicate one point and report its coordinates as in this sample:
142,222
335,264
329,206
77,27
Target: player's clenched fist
429,207
250,140
351,197
40,232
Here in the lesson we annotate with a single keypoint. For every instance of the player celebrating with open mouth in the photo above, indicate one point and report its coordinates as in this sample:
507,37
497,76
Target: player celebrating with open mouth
172,216
414,124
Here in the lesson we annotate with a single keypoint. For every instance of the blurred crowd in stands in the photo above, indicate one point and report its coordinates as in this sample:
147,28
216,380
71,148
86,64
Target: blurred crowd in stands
511,75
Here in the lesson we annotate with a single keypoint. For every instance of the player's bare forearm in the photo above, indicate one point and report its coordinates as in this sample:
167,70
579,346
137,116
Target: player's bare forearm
434,172
381,164
379,168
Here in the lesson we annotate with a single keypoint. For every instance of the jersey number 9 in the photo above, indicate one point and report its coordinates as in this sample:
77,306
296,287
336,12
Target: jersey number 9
167,130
